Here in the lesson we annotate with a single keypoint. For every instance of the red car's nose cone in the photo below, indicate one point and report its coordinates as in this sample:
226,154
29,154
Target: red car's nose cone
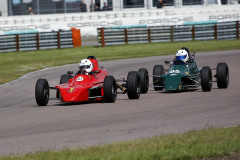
73,94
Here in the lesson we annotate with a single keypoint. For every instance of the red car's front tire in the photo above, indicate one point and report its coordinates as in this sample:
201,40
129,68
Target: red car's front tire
42,92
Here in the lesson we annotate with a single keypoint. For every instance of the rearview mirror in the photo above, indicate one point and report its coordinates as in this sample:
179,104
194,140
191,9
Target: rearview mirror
193,54
69,72
96,71
167,62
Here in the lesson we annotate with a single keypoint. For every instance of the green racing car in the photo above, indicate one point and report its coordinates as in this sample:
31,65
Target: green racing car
183,74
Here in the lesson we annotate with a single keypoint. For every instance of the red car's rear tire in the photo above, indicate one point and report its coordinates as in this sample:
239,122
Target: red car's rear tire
144,79
110,89
133,85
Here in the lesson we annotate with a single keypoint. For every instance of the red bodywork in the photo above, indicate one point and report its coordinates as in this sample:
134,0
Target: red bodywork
78,88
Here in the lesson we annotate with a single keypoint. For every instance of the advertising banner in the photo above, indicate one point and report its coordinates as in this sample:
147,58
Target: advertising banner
88,27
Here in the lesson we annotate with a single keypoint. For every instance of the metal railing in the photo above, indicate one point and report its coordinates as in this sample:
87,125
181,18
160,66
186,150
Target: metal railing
118,36
36,41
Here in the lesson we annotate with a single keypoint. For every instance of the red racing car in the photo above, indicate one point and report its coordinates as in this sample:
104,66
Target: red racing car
92,82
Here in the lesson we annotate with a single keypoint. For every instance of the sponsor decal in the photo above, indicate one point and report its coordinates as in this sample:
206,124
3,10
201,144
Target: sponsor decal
224,17
25,27
95,24
166,20
71,90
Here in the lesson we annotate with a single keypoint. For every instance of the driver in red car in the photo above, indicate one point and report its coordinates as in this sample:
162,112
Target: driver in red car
85,67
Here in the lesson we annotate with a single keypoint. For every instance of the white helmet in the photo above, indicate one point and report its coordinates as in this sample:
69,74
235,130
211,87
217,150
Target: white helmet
182,55
86,65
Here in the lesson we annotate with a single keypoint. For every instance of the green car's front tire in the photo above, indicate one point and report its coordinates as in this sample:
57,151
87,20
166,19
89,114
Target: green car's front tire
158,70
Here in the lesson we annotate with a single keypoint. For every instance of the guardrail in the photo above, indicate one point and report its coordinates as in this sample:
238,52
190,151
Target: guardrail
36,41
119,36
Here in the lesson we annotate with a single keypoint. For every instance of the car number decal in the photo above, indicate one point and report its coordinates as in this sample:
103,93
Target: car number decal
174,71
80,79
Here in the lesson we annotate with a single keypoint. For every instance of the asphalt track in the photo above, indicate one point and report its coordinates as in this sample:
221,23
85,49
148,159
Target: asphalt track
24,127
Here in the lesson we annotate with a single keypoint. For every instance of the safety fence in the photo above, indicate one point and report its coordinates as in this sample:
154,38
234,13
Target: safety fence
37,41
117,36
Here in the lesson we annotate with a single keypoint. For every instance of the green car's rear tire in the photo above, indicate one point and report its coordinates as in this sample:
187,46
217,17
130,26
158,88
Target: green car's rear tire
133,85
144,79
206,79
110,89
42,92
222,75
158,70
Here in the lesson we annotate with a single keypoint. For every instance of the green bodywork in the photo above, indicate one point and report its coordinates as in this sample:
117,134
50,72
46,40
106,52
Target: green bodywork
182,76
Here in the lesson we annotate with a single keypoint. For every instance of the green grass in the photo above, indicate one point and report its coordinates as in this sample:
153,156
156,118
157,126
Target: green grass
16,64
190,145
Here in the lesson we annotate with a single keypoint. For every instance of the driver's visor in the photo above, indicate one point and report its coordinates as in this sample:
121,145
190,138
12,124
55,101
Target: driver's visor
84,67
181,57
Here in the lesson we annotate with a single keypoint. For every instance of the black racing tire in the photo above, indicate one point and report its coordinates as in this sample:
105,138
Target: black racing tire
133,85
110,89
222,75
158,70
206,79
65,78
42,92
144,79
